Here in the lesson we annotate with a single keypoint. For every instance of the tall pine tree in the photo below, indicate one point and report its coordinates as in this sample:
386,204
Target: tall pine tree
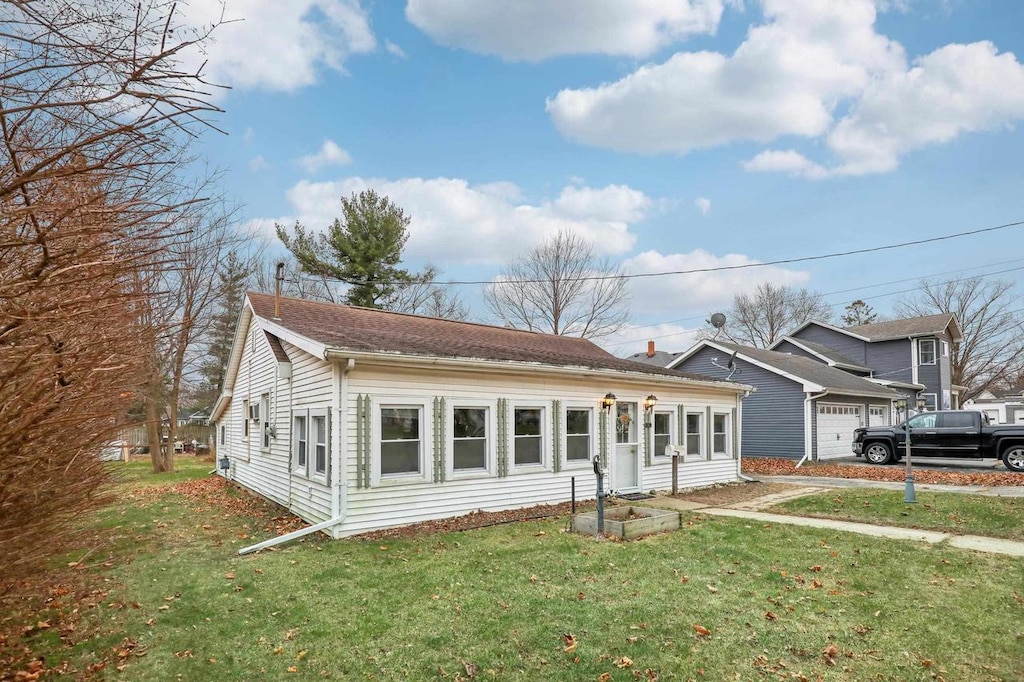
233,279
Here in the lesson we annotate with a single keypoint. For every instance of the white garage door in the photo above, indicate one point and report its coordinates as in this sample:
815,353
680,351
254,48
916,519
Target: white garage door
878,415
835,429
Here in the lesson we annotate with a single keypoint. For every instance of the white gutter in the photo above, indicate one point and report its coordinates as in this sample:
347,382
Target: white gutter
808,436
504,366
302,532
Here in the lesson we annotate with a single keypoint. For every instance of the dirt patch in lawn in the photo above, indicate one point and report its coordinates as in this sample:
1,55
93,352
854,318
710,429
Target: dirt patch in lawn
734,493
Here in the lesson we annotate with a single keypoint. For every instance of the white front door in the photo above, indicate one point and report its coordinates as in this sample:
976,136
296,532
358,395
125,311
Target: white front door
625,475
836,424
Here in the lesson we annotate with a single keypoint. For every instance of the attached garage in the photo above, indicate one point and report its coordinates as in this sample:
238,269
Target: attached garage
836,424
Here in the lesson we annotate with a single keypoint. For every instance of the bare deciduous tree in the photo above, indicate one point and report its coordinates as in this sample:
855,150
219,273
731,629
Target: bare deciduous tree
94,108
560,287
425,296
765,316
992,352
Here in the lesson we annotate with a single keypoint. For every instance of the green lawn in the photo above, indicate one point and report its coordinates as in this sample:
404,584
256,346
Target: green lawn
1001,517
139,472
776,602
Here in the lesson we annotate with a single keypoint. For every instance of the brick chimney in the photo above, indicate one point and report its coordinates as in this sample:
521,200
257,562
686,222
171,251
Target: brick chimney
650,349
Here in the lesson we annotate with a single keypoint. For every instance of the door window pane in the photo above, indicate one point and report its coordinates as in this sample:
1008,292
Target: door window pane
625,423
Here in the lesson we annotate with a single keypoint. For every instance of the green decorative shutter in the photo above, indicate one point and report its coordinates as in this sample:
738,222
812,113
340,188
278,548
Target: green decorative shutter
440,441
735,436
362,441
556,434
502,444
681,426
602,438
710,435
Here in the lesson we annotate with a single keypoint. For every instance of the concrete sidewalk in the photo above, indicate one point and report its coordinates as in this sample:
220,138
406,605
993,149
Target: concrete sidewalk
750,509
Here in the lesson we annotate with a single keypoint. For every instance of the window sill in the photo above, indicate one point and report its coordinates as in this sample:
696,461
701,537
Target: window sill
720,456
578,464
395,481
469,474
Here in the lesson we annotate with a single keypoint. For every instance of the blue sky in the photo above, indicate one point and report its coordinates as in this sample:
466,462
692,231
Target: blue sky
674,134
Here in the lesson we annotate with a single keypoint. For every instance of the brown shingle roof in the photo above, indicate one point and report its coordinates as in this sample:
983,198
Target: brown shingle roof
897,329
366,330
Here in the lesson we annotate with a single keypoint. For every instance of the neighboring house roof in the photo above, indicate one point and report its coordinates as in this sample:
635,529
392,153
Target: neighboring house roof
928,325
828,355
814,375
659,359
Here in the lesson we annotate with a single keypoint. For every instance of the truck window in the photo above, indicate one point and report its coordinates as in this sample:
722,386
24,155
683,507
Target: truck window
923,421
957,420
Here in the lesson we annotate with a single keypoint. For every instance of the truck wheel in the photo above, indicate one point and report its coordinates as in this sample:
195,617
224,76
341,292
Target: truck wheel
1013,457
880,453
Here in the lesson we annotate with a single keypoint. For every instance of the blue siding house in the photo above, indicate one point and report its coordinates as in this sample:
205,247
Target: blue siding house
804,407
911,356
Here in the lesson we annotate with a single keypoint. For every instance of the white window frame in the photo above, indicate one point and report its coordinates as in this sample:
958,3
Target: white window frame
727,452
317,475
300,436
931,401
490,461
223,433
700,455
659,453
921,344
426,438
591,436
246,416
545,437
945,348
264,422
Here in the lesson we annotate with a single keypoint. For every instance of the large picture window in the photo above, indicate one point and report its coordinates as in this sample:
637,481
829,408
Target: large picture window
926,352
662,432
578,434
401,440
470,443
694,435
528,436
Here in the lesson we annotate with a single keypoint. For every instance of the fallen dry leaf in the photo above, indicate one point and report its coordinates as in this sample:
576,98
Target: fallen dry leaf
570,642
701,630
624,662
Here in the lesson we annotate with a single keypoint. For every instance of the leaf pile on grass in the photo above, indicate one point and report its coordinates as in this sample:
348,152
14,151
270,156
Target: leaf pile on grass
773,466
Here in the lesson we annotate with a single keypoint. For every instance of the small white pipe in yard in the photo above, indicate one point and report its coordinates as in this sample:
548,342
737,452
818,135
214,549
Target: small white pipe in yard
294,535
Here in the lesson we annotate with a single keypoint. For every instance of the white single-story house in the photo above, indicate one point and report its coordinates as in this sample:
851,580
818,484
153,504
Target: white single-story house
358,419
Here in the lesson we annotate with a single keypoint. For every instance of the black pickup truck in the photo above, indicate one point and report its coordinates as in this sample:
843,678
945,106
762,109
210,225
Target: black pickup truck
952,433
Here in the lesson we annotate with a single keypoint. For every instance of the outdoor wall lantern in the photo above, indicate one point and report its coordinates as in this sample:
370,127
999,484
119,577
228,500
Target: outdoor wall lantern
607,401
649,402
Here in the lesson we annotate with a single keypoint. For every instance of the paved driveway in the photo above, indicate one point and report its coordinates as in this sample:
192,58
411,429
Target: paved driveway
935,464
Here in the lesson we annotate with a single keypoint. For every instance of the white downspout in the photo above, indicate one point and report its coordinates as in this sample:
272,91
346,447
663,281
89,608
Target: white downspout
808,414
339,506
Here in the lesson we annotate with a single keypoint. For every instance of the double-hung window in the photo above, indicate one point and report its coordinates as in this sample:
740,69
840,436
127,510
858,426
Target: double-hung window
401,441
694,435
578,435
720,434
662,432
528,436
311,443
926,352
246,416
470,442
264,421
300,443
318,433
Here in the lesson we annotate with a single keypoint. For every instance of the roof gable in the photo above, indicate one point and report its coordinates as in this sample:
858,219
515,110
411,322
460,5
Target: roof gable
813,375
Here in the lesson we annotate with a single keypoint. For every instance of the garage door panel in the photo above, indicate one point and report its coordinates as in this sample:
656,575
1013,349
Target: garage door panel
836,423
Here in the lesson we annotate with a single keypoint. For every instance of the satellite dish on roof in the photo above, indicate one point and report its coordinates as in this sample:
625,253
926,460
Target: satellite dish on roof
717,320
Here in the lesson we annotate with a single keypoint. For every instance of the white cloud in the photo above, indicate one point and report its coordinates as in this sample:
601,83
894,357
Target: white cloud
532,30
455,223
329,154
272,45
258,164
394,50
814,69
665,296
703,205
